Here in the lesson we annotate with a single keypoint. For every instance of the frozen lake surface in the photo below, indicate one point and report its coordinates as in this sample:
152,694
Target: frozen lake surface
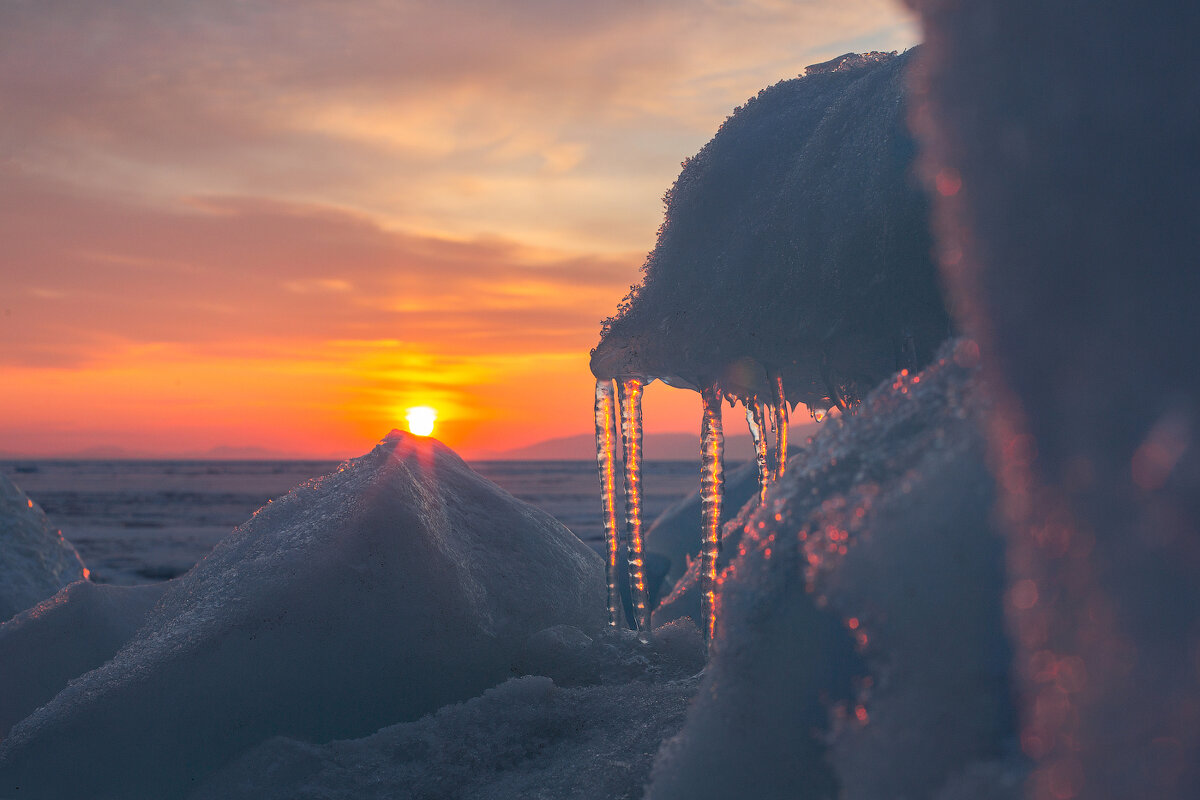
137,521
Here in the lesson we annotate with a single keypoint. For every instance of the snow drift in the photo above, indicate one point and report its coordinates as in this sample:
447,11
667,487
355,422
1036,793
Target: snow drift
35,560
399,584
860,649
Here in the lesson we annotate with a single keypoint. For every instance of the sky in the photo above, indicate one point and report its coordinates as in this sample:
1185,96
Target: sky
279,223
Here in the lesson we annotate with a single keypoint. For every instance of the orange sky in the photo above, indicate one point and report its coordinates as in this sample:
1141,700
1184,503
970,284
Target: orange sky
278,225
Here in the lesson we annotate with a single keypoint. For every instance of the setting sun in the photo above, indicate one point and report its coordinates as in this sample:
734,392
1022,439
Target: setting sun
421,419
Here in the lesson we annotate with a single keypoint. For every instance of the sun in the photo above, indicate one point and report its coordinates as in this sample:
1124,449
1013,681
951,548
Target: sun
420,420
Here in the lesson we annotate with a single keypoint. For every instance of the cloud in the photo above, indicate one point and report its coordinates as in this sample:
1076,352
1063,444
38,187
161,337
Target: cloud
430,116
83,272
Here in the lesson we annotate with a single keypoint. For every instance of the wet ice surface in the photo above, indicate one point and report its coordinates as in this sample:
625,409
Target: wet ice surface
137,522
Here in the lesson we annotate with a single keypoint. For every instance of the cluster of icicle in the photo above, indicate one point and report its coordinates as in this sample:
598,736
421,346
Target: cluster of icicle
625,395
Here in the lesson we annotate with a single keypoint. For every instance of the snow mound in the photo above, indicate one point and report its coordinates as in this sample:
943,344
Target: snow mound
860,648
524,739
73,632
400,583
795,243
35,560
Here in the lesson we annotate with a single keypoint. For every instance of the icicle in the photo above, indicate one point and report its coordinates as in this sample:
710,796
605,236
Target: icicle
781,427
756,420
712,487
630,391
606,442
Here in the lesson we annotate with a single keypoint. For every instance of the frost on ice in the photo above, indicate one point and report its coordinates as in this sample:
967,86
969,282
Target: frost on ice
35,560
400,583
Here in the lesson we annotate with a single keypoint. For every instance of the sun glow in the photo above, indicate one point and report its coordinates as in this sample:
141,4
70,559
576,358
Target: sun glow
420,420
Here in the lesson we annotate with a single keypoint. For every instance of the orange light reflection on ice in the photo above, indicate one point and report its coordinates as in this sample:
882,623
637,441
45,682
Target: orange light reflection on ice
712,443
630,396
606,442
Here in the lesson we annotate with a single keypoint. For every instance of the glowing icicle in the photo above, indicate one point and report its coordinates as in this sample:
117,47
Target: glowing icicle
757,422
630,391
712,489
606,443
781,427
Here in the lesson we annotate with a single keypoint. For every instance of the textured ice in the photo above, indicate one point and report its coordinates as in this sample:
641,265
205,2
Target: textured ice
371,596
795,243
860,648
73,632
35,560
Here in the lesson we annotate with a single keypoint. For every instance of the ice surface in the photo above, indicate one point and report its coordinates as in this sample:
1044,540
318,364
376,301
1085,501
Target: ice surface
73,632
371,596
860,648
35,560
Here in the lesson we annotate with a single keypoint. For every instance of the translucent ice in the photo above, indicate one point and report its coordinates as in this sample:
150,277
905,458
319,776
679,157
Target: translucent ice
712,474
630,392
35,560
606,442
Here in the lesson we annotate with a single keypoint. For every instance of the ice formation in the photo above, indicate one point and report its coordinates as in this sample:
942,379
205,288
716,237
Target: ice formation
606,436
799,215
629,392
781,428
712,488
801,218
861,650
756,421
371,596
35,560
